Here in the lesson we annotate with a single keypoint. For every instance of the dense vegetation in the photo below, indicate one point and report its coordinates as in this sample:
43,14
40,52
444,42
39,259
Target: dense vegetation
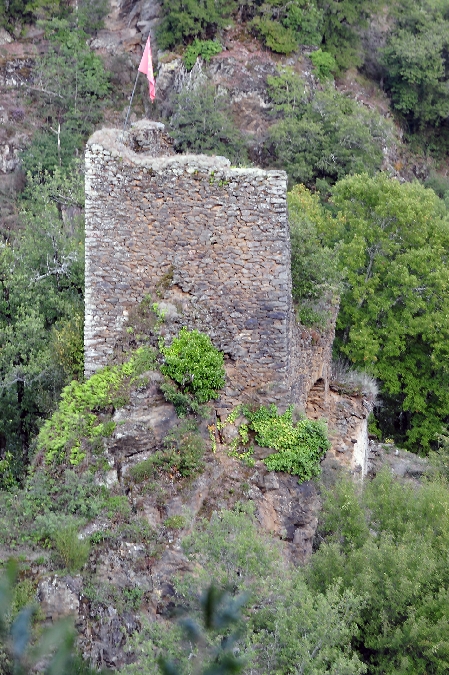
374,598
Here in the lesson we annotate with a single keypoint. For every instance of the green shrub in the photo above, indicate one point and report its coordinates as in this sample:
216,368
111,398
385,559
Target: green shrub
388,542
324,64
275,36
183,20
204,48
68,344
184,403
202,122
195,364
118,508
182,455
76,421
175,522
72,550
231,550
299,447
322,134
283,25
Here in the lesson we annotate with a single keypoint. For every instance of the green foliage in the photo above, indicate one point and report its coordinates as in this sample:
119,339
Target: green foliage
202,123
220,612
184,20
230,550
275,36
342,20
288,627
416,63
20,651
283,26
390,549
314,266
70,88
204,48
184,403
41,281
299,447
297,630
14,13
324,64
68,344
45,154
322,134
72,550
175,522
104,594
66,435
195,364
392,320
182,456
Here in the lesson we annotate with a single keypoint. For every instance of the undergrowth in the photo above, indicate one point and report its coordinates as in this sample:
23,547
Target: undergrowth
300,446
76,424
181,457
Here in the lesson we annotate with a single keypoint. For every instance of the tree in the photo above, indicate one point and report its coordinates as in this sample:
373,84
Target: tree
41,290
342,19
386,543
184,20
322,134
417,65
315,273
202,123
71,86
393,313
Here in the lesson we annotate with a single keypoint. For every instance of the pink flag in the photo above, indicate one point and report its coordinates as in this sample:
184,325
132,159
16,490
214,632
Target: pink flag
146,66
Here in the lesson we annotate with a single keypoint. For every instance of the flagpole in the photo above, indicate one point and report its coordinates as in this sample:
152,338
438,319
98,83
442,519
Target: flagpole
130,104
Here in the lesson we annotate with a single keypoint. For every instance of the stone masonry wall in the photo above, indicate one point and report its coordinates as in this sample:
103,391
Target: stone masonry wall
220,233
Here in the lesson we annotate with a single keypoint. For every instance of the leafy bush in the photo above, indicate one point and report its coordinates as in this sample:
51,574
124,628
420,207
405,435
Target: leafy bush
183,20
386,543
195,364
299,447
184,403
61,437
72,550
283,26
314,266
182,456
68,342
275,36
231,550
324,64
204,48
202,123
322,134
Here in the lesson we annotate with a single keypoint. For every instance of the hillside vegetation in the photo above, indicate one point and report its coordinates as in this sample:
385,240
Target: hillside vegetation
374,597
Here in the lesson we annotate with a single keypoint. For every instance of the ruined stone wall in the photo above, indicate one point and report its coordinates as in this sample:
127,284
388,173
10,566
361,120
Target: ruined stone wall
220,234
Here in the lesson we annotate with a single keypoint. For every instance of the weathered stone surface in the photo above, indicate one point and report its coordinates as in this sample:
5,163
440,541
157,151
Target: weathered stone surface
59,596
221,236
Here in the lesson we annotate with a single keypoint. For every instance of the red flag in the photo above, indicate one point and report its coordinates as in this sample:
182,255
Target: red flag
146,66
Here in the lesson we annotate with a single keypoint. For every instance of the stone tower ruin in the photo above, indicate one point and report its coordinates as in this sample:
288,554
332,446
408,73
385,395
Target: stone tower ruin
220,235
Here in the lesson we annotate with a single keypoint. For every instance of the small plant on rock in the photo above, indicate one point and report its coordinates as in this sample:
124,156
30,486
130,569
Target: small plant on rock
299,447
195,365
